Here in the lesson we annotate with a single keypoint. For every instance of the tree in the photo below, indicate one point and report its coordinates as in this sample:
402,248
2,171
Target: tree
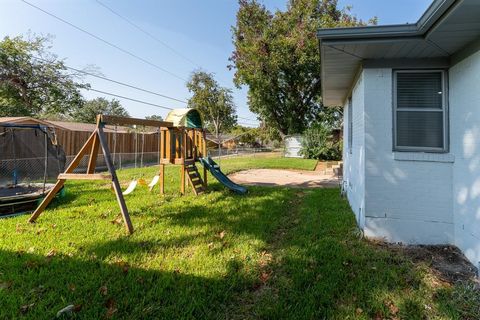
276,56
34,82
89,110
214,102
154,117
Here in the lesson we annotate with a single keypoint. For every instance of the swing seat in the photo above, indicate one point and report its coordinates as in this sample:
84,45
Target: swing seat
131,187
154,182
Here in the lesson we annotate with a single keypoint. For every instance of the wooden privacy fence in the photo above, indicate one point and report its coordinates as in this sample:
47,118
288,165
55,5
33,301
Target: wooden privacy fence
119,142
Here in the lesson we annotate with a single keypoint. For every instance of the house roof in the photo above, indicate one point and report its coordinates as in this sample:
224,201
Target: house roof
63,125
24,120
444,29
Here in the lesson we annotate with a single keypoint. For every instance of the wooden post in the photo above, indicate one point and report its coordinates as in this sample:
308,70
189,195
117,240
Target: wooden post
183,145
93,156
168,146
94,153
60,182
182,179
161,156
192,144
161,147
182,134
187,144
116,184
204,144
177,145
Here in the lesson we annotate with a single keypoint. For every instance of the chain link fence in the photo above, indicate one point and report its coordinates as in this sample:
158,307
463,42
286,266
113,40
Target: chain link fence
29,165
240,151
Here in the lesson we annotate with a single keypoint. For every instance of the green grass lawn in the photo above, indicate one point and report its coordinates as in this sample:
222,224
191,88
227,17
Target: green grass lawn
275,253
269,161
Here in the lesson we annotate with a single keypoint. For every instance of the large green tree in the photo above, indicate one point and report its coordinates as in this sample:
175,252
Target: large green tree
276,55
34,82
89,110
214,102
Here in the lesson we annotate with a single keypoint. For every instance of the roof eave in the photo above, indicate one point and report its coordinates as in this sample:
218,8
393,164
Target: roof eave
378,34
426,21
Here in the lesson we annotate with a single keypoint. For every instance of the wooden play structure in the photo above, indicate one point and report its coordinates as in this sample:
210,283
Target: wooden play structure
181,142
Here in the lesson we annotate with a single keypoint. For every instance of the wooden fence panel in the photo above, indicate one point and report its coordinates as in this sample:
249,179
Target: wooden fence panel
72,141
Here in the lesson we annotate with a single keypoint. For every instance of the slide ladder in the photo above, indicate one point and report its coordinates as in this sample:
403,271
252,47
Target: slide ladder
214,169
195,179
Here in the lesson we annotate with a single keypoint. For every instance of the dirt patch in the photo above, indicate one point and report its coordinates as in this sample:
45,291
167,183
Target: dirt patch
285,178
446,262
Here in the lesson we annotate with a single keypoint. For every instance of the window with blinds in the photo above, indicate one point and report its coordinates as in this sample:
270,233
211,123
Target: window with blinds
420,115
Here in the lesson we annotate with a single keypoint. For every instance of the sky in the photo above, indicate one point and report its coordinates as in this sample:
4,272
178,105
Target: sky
190,35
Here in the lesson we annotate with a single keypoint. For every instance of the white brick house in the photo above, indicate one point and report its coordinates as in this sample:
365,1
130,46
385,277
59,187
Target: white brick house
411,95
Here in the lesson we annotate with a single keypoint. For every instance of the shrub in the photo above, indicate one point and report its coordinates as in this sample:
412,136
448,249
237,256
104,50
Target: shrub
319,143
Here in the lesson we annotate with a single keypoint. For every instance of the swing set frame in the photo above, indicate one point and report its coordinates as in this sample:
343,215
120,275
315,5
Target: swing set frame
168,141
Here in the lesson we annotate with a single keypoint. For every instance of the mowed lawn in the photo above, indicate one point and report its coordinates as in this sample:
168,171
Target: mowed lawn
275,253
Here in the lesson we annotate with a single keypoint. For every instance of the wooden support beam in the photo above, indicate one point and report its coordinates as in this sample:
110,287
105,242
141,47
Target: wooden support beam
116,184
182,179
59,184
204,144
168,145
177,145
161,147
92,161
82,176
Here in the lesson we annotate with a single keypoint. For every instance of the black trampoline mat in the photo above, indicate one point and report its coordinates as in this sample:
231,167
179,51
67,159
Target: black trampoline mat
24,191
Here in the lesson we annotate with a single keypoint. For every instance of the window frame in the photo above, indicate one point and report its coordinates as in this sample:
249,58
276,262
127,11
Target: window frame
444,110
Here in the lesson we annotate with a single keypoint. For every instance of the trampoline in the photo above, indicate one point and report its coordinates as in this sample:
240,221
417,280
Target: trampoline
30,161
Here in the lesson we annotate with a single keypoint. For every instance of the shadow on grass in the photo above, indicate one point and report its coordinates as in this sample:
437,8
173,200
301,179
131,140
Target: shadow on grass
321,269
37,287
127,246
308,263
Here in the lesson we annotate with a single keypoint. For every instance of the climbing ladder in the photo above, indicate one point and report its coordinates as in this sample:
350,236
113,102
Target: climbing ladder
194,178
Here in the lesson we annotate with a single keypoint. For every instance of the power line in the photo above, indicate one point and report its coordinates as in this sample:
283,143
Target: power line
105,41
147,103
147,33
137,88
117,82
131,99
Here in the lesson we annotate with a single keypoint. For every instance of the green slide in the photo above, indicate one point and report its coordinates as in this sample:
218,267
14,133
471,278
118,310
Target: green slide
220,176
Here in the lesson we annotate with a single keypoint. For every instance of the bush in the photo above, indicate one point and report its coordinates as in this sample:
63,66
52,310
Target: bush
318,143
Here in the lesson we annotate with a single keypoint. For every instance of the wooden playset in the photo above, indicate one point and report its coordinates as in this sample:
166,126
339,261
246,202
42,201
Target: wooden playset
178,144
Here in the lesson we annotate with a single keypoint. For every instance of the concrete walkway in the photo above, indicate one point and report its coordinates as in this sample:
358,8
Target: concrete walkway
285,178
